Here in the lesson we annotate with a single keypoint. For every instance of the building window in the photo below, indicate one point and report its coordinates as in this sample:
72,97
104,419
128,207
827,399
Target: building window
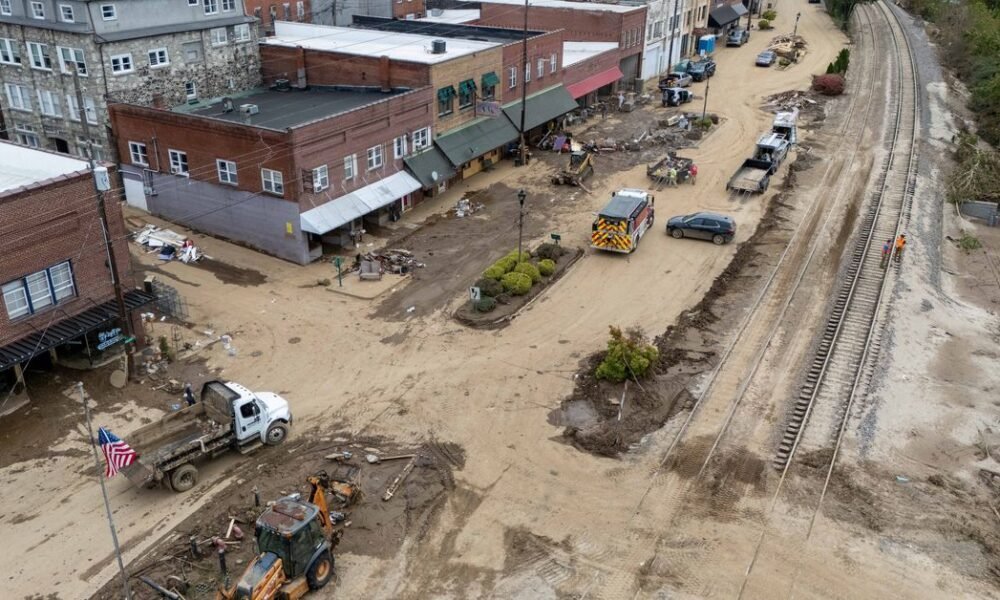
287,8
178,162
74,108
272,181
399,147
421,138
512,77
300,9
219,36
241,33
374,157
137,152
350,167
39,56
190,90
446,100
48,103
321,178
541,68
211,7
18,96
72,58
192,52
87,148
66,13
25,135
527,73
37,10
466,92
553,62
228,5
121,64
227,171
9,53
194,2
158,57
5,7
36,291
109,12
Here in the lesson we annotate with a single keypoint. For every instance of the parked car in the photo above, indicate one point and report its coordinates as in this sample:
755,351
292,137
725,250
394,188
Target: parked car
676,96
766,58
703,226
675,80
702,69
738,37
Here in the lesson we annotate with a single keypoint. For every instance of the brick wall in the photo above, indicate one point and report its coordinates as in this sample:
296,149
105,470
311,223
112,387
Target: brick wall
453,72
579,71
332,68
579,24
261,9
539,47
402,8
42,227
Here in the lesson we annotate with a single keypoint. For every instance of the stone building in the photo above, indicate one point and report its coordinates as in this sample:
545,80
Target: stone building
192,49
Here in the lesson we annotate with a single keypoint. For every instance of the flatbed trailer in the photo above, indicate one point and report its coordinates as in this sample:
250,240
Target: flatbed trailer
659,171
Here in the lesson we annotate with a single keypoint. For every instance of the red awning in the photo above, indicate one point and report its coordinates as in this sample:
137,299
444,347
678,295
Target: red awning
582,88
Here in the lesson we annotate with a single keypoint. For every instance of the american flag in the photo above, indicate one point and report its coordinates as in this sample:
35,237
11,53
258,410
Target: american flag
117,453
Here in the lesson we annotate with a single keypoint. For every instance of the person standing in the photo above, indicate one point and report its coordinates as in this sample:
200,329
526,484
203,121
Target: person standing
188,394
672,177
900,244
886,252
693,171
604,110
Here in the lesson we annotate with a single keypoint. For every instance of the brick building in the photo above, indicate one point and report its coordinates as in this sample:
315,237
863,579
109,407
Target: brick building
341,13
267,12
136,51
285,170
58,296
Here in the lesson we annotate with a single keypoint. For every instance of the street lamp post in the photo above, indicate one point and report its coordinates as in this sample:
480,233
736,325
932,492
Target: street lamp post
520,222
796,29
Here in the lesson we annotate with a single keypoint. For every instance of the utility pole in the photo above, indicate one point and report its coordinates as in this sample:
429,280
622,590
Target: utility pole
101,185
796,30
104,489
524,90
673,22
520,222
704,108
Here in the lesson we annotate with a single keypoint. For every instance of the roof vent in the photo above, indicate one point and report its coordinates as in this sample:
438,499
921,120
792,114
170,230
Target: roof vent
436,12
438,47
282,85
228,105
249,109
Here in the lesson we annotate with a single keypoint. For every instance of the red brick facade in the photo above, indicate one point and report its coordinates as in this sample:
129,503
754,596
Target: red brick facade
268,11
402,9
333,68
543,48
58,221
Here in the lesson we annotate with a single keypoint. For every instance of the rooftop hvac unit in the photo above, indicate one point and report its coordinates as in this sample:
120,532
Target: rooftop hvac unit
249,109
438,47
282,85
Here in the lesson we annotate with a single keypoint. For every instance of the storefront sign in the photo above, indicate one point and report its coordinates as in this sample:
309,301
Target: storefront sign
487,108
109,338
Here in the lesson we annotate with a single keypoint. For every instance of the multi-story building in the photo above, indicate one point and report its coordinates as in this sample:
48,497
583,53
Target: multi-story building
342,12
58,296
268,11
140,51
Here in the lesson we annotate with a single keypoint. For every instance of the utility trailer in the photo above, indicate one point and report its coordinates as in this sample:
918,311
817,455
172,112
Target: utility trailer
754,175
659,171
228,417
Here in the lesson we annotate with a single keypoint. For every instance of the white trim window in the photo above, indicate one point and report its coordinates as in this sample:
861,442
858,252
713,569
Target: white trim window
273,182
158,57
39,56
109,12
553,62
421,139
18,96
48,103
300,9
541,68
228,5
241,33
374,157
86,148
190,90
178,162
34,292
321,178
211,7
512,77
218,36
194,2
73,107
527,73
66,13
26,136
5,7
122,64
350,167
10,53
227,171
37,10
138,154
70,58
399,147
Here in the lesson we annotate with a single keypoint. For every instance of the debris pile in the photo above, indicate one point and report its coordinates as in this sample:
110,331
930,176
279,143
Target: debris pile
466,207
396,260
788,46
168,244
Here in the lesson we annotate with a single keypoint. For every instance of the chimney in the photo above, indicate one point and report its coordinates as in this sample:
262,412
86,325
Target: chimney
383,73
300,68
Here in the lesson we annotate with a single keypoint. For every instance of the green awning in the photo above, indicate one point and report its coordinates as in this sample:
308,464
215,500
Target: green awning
445,93
542,107
467,87
490,79
430,167
476,139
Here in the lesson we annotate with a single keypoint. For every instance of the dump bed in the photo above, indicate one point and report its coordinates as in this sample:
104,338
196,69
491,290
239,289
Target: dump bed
752,176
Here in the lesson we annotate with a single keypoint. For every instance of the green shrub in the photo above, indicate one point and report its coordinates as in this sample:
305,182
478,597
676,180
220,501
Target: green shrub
550,251
525,256
784,62
769,15
546,266
969,242
489,287
517,284
486,304
843,60
494,272
828,85
703,123
165,350
507,263
530,270
629,355
764,24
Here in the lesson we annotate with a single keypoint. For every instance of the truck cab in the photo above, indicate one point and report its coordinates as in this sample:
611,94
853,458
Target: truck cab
771,148
784,124
262,416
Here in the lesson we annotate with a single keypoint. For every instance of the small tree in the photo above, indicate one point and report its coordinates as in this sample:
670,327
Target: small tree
629,356
828,85
764,24
769,15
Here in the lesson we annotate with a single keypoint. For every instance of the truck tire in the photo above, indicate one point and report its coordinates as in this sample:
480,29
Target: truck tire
183,478
321,571
677,233
276,434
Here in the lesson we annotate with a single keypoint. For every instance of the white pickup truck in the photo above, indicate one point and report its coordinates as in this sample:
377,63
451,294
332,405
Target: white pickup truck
228,417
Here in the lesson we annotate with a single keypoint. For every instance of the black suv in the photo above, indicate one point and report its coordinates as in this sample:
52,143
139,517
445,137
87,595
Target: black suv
702,69
703,226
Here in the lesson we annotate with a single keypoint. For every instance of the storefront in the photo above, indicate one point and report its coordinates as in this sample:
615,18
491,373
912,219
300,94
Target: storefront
544,107
478,145
432,169
587,91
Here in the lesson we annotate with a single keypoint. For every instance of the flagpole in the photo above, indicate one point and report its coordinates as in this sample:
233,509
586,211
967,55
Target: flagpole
104,490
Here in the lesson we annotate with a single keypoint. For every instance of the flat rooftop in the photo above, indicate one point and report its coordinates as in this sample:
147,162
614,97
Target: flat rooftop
598,6
435,30
407,47
574,52
21,166
286,110
453,16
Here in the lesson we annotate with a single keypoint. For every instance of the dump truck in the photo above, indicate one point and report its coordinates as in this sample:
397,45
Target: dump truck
619,226
754,175
228,417
581,166
659,171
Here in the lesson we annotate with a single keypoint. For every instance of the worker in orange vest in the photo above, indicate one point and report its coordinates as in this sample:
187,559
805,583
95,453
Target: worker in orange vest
900,244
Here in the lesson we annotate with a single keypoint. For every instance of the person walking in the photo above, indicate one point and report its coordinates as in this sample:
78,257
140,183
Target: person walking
900,244
886,253
604,110
693,171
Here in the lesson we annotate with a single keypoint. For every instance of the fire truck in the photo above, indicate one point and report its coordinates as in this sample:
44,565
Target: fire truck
620,225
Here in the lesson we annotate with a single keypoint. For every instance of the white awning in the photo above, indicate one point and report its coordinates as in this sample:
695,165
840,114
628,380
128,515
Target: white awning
331,215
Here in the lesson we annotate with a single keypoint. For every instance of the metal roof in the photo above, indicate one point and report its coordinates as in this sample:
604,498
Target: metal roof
722,16
542,107
476,139
622,206
428,163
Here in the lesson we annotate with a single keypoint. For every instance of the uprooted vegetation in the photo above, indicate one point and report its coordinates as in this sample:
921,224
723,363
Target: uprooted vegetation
977,173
